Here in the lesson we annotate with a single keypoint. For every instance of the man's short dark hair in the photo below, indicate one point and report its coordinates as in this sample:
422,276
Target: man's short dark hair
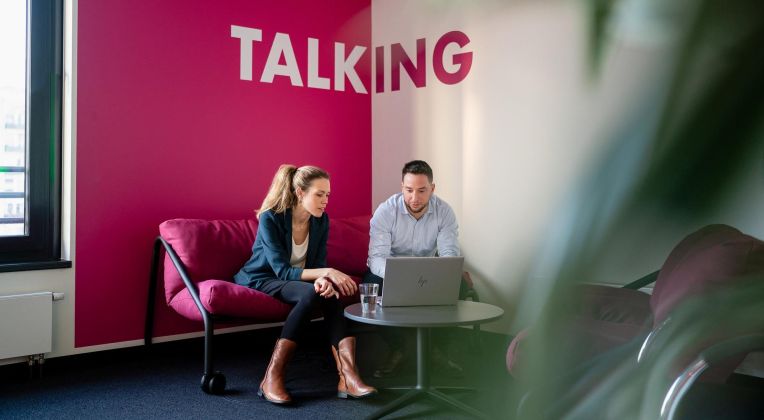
417,167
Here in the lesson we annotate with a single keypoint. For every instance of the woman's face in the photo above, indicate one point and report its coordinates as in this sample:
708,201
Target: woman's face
315,199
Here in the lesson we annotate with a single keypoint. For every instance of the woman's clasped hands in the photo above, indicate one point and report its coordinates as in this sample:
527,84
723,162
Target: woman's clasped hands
342,282
325,288
335,283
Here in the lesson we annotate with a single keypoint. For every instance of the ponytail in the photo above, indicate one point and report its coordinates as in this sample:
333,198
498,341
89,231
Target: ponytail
281,195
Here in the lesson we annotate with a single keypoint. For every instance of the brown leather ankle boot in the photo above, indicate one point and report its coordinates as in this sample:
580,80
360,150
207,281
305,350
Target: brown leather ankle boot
272,387
350,382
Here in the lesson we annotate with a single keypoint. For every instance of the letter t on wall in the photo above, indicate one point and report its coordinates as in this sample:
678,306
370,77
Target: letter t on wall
247,36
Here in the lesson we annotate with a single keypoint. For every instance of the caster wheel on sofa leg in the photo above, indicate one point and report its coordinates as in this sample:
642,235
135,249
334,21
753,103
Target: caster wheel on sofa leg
213,384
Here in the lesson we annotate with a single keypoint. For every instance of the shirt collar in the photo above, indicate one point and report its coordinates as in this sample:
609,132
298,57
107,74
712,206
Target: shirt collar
402,205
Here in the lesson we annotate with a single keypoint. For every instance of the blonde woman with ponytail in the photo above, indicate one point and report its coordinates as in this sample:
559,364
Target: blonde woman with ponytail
289,263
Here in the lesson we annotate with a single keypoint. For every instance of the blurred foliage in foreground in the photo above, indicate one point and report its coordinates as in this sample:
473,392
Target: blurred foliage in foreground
707,125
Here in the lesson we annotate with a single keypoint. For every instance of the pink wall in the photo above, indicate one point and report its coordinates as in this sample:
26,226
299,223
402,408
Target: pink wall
166,129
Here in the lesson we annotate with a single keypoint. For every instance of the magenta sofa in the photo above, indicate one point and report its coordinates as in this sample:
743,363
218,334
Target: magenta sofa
201,257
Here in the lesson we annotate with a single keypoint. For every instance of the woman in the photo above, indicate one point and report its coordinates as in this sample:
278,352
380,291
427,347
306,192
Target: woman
289,263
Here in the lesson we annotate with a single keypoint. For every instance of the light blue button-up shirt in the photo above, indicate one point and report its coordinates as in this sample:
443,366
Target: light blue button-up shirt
395,232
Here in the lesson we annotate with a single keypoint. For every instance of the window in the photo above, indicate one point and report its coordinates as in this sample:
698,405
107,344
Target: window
31,44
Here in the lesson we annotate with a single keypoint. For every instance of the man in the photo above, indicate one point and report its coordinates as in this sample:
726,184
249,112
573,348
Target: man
416,223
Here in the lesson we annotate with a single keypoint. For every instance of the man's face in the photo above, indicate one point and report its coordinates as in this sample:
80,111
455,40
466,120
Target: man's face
417,190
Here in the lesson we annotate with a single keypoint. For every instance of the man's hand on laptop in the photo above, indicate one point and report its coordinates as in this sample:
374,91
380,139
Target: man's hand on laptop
342,282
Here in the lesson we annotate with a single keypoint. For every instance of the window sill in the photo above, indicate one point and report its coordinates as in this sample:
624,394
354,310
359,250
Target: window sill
34,265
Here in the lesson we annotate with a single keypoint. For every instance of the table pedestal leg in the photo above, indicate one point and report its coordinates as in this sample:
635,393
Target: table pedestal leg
423,388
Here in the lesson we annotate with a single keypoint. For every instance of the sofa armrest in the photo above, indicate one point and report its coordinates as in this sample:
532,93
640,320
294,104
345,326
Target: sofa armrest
159,244
192,289
643,281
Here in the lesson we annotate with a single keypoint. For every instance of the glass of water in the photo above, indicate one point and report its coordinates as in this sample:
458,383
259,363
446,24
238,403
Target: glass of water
369,292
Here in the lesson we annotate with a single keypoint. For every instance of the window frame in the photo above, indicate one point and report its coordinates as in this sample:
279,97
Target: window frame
40,248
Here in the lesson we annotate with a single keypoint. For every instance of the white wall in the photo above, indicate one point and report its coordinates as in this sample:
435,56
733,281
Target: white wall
512,141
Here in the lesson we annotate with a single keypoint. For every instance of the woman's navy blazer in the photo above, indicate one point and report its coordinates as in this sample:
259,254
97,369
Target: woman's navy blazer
273,249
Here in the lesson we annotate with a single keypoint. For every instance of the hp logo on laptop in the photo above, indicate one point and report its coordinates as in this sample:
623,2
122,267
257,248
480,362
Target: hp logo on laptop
421,281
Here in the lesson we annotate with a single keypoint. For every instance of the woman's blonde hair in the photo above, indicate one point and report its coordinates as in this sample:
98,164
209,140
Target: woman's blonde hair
281,195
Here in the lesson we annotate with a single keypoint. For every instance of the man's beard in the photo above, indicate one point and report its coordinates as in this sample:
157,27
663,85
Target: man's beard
421,209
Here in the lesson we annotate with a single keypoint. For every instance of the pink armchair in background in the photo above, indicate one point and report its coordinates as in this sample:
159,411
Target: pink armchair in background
598,319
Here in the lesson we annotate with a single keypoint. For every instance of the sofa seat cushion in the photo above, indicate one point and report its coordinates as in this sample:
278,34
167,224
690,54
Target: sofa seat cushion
612,304
223,298
596,319
583,339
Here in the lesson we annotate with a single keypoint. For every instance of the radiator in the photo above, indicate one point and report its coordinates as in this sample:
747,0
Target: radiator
26,324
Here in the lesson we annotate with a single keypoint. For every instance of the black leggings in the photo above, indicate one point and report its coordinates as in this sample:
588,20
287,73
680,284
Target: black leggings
306,301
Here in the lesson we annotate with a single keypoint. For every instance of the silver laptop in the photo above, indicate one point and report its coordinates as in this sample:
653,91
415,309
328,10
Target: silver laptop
419,281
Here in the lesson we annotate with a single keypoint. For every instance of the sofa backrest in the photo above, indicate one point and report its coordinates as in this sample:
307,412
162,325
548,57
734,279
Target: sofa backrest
210,249
217,249
710,258
348,246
